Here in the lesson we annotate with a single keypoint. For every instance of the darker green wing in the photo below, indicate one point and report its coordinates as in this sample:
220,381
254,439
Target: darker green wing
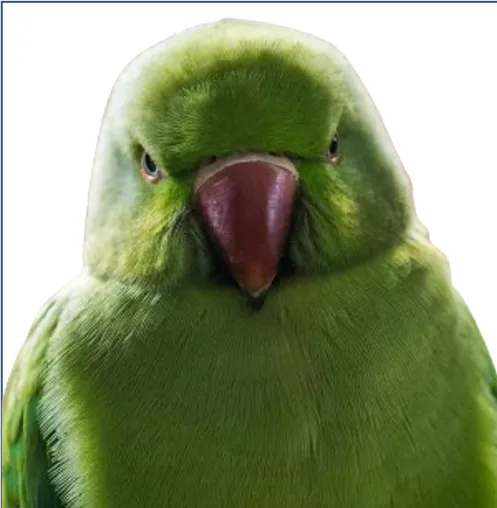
25,462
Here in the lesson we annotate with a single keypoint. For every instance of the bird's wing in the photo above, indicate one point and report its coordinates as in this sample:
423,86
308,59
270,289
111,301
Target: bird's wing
488,373
25,461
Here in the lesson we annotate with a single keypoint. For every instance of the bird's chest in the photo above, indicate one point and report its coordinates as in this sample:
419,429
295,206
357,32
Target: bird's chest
193,410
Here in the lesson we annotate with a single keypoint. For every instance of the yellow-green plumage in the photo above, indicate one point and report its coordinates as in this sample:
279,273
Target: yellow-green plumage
362,382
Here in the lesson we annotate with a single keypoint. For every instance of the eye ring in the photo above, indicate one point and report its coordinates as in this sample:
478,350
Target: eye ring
334,150
149,169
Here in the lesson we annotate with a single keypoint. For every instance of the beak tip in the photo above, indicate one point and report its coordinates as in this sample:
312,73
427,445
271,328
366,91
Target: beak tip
255,277
255,291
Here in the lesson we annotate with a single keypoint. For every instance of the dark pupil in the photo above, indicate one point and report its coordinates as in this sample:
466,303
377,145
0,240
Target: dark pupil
334,145
150,164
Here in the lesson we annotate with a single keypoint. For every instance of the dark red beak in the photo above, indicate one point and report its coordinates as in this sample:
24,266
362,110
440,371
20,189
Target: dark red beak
246,202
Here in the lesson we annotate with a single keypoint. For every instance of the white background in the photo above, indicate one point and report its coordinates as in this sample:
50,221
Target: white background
429,68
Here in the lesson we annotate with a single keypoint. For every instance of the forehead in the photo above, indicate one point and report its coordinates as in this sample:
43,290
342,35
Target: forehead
244,50
214,75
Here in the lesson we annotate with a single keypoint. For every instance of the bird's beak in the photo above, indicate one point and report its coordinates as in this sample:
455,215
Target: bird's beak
246,202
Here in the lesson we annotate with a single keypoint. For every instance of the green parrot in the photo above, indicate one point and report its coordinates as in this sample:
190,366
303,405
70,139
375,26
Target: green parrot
262,321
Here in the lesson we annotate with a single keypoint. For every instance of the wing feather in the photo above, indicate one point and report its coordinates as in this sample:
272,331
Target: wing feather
25,462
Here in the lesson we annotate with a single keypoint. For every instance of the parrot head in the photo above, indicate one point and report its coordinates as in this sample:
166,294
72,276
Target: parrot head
241,155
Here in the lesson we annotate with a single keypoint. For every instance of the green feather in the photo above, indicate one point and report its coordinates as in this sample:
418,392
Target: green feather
362,382
25,460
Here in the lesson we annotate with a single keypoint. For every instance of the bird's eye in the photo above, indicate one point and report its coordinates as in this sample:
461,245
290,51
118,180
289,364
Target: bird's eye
334,153
149,169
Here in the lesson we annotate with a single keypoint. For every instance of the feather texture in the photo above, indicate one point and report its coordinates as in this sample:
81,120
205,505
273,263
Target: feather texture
361,382
25,460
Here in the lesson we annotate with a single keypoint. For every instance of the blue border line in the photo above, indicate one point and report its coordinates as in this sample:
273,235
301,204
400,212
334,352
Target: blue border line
1,214
1,206
249,2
